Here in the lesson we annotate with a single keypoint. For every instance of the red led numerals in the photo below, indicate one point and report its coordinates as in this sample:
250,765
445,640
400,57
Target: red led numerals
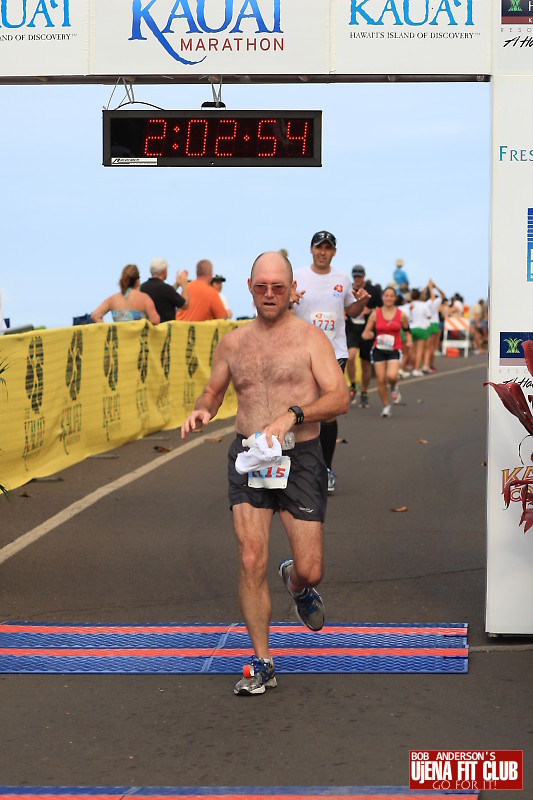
302,138
270,150
196,138
220,149
154,144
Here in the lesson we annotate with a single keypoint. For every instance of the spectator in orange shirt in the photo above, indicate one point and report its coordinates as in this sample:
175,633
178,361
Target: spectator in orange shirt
205,302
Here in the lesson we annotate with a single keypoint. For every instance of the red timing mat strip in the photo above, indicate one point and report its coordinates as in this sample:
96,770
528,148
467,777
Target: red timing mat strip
192,629
202,652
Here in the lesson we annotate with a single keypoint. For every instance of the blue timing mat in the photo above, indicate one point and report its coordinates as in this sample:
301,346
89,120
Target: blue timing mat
224,648
230,793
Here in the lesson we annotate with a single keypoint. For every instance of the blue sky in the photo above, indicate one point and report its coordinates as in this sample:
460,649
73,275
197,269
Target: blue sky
406,173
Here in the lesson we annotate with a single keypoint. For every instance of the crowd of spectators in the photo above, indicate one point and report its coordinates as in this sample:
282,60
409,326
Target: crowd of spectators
155,299
427,308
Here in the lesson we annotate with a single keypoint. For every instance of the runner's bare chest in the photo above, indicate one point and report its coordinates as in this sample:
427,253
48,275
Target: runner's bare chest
270,365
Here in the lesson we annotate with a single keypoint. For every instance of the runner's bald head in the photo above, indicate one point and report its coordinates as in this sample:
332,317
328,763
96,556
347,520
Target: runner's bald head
271,259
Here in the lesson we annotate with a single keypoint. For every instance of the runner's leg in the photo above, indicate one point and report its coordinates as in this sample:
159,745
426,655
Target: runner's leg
252,526
306,541
380,368
392,373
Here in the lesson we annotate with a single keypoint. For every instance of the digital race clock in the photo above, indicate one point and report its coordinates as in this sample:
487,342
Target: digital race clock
212,139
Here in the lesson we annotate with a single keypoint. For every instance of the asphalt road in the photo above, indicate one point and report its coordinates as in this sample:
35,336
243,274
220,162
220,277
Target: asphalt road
161,549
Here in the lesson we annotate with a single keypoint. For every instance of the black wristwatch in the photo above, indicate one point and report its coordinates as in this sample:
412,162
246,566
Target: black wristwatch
298,413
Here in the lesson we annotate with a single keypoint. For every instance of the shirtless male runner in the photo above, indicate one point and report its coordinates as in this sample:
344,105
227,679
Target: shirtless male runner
286,378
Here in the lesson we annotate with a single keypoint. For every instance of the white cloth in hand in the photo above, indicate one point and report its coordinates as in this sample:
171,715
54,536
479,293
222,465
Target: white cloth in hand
259,455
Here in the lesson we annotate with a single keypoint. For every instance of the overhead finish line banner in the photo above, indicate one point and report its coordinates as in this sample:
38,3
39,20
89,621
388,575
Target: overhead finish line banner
72,392
94,39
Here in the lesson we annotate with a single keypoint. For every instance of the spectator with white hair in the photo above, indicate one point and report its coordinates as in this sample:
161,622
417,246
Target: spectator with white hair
166,299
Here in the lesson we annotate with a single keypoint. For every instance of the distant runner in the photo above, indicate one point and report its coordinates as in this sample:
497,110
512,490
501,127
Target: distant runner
386,325
323,295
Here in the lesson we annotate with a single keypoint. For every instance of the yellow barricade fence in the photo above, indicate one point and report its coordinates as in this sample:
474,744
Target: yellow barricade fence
69,393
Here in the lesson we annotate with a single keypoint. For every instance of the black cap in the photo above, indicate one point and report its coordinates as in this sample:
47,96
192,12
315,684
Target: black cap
217,279
323,236
358,270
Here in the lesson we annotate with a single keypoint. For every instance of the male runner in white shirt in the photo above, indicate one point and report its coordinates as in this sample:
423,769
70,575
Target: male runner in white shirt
323,295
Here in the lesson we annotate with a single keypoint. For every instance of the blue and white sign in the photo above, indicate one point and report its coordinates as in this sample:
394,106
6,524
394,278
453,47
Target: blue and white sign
43,37
394,37
214,36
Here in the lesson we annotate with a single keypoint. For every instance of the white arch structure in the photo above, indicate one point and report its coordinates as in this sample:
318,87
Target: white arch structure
187,41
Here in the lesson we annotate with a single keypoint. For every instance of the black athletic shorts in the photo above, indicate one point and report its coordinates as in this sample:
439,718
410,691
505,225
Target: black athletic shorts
306,493
354,339
385,355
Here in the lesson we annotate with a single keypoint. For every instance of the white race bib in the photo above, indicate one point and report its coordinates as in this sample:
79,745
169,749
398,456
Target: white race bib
385,341
273,477
326,321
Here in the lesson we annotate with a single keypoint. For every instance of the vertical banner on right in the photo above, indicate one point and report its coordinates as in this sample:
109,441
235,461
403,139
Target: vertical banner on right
509,607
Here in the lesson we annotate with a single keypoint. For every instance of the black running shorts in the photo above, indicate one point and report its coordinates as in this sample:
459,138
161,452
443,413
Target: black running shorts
385,355
354,339
306,493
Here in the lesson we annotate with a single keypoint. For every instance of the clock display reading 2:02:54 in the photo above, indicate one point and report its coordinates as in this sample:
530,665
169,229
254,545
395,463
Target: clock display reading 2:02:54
215,138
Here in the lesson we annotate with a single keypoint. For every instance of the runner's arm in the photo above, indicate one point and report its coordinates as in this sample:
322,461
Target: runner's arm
406,329
329,377
361,299
212,397
368,332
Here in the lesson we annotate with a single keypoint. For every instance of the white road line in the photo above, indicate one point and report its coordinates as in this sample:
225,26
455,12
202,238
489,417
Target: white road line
408,381
85,502
80,505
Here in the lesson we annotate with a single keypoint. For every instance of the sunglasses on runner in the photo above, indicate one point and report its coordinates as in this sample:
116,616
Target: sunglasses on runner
262,288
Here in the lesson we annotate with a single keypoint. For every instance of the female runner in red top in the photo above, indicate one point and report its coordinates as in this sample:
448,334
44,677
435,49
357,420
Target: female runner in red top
386,323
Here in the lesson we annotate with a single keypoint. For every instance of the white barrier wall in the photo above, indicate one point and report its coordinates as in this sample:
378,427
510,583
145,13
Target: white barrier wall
94,38
510,548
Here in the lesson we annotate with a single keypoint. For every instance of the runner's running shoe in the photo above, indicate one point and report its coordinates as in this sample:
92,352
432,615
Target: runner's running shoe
353,395
257,677
403,373
386,411
309,605
396,397
332,481
364,400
